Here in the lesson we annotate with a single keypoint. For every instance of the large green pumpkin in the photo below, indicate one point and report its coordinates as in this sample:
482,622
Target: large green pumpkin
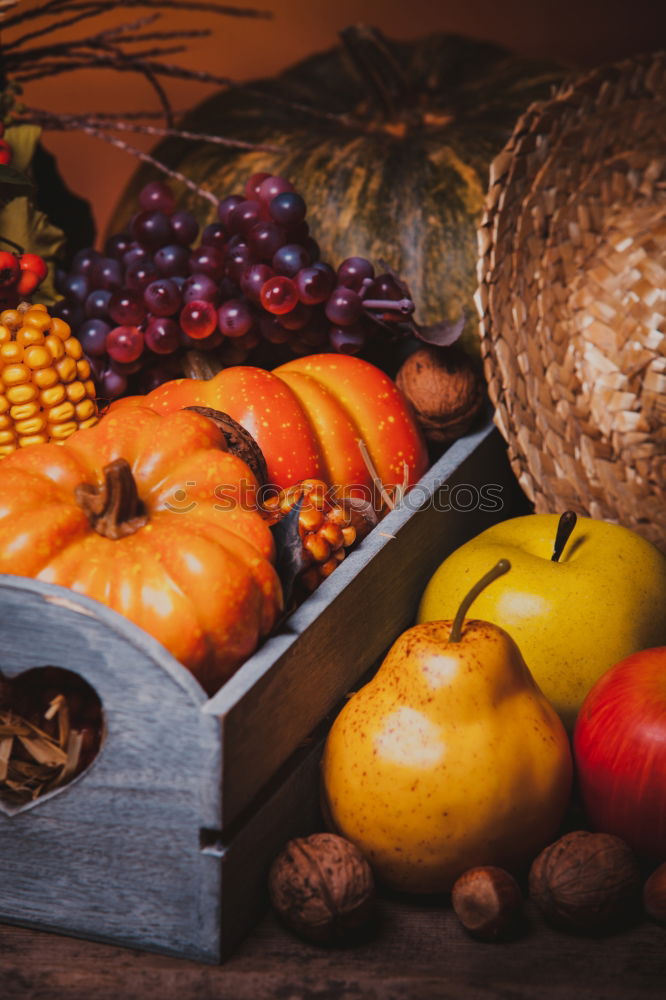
389,143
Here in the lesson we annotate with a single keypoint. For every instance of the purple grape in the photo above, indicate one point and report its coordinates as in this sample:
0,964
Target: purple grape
252,185
162,335
226,206
162,297
85,261
297,318
354,271
207,260
272,187
209,343
314,285
298,233
288,209
172,260
184,228
234,318
126,308
312,248
271,330
71,311
112,384
238,260
265,238
253,279
290,259
384,286
344,307
243,217
77,286
347,339
214,235
157,196
108,273
140,274
199,287
151,229
135,253
118,245
126,367
92,337
97,303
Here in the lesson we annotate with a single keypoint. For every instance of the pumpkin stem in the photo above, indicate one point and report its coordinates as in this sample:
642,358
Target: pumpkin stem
114,508
377,66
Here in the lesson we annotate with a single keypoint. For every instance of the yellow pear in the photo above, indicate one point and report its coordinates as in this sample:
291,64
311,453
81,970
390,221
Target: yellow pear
450,757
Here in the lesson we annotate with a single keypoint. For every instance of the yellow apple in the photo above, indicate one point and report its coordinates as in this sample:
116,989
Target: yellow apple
572,617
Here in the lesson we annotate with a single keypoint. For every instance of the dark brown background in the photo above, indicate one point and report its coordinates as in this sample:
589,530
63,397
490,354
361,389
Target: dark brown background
578,32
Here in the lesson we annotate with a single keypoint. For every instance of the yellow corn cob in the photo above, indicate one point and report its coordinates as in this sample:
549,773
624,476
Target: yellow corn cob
46,392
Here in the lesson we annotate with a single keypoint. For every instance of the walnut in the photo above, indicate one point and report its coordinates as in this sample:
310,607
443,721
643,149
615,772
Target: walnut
487,902
322,887
445,389
654,894
586,881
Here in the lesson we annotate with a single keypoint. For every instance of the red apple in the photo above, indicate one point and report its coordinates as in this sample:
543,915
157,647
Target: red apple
620,752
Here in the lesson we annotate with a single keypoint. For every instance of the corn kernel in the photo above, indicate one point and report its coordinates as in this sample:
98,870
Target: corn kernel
21,411
37,357
45,378
89,386
29,335
15,374
7,450
310,518
61,431
83,369
64,411
36,425
60,328
7,437
73,348
75,392
11,352
86,409
53,396
20,394
36,319
5,421
349,535
55,346
333,535
318,548
90,422
4,405
11,318
5,333
31,439
66,369
39,306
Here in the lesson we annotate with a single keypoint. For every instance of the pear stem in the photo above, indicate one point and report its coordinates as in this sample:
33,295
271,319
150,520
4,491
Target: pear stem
566,525
502,567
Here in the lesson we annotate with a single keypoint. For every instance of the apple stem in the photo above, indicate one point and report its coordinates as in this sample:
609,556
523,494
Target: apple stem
566,525
502,567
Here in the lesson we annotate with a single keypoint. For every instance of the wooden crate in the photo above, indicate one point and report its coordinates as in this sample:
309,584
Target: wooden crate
165,841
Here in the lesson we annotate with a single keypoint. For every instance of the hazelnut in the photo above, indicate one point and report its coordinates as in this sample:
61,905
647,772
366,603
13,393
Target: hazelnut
654,894
585,881
445,389
487,902
322,887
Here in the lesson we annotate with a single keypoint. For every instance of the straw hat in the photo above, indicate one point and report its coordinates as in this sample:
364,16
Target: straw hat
572,297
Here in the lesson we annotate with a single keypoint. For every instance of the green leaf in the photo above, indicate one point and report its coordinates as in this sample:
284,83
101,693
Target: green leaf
12,183
23,139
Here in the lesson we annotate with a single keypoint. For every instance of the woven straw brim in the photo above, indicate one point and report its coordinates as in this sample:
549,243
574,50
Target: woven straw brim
572,297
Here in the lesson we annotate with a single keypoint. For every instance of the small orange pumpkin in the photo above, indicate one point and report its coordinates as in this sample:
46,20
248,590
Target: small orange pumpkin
128,513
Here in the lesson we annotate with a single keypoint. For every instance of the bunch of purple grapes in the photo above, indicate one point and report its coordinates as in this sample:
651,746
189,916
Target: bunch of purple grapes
255,278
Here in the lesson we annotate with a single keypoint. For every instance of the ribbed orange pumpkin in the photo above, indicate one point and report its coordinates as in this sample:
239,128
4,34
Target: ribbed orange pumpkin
126,513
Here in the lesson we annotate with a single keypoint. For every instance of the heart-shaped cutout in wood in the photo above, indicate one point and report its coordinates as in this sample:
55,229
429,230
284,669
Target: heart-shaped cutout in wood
51,730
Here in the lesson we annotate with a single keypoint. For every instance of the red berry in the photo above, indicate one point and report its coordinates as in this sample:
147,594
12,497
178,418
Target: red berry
9,269
6,153
198,319
279,295
27,283
32,262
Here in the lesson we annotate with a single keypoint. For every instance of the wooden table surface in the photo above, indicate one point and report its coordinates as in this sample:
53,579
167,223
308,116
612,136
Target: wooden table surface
417,952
